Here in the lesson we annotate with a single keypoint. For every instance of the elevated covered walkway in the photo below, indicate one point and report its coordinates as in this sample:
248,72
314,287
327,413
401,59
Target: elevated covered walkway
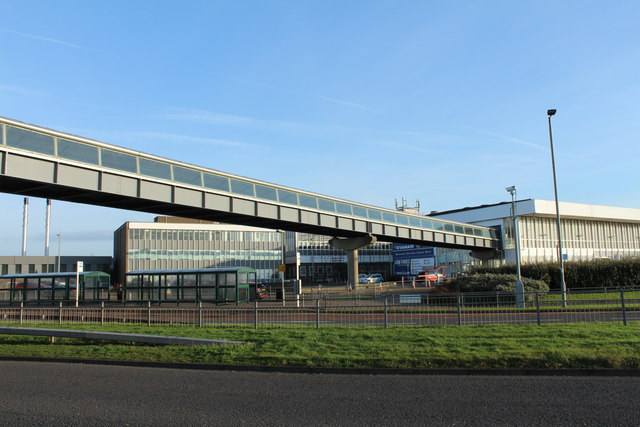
40,162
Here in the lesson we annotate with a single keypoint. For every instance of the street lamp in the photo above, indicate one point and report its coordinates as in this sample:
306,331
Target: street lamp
563,287
519,285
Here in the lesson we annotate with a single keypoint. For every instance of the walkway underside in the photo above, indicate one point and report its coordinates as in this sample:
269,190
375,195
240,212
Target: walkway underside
228,209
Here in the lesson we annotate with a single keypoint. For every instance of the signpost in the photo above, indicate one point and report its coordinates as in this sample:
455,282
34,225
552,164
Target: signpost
79,269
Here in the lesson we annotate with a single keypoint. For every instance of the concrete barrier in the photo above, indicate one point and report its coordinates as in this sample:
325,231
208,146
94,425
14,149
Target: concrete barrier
114,336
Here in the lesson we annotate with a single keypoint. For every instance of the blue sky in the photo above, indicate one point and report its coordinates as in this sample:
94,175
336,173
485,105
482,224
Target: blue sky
370,101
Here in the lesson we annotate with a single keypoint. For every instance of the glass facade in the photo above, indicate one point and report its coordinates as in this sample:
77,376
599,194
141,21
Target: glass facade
581,239
180,247
322,263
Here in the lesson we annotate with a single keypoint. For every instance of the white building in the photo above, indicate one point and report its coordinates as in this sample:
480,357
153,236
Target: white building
588,231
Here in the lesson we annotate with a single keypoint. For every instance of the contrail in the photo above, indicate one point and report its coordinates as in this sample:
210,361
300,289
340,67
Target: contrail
295,92
508,138
50,40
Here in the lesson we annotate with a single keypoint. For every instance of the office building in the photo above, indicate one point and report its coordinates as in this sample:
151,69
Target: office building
588,232
178,243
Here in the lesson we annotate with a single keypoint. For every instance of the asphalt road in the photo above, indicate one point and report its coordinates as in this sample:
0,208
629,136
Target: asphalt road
39,394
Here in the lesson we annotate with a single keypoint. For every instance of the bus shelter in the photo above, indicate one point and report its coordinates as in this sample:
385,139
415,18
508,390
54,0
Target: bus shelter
216,285
94,286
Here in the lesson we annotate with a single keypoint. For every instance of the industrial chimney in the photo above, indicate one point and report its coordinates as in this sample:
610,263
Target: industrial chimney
25,220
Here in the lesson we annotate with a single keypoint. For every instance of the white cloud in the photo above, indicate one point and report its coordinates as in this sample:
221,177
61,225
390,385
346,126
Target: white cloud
176,138
21,91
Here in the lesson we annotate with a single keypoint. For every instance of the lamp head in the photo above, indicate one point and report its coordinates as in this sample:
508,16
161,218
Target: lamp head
511,190
551,112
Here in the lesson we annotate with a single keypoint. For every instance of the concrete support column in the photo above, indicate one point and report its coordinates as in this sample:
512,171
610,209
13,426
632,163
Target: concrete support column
352,267
351,245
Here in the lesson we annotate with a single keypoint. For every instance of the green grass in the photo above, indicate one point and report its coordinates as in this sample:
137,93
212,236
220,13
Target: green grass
613,295
586,345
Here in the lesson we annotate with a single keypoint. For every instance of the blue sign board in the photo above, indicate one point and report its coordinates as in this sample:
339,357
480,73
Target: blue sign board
408,260
402,251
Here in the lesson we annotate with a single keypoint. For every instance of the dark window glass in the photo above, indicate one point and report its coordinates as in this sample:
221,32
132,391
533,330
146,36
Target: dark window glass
468,230
448,227
373,214
477,231
389,217
308,201
120,161
242,187
216,182
414,222
326,205
288,197
404,220
358,211
427,224
153,168
27,140
76,151
187,176
458,229
343,208
268,193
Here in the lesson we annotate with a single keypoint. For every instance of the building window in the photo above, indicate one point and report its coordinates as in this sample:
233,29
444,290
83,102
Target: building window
32,268
5,269
18,268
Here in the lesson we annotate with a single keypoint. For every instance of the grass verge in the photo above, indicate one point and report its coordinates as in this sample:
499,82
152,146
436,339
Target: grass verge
586,345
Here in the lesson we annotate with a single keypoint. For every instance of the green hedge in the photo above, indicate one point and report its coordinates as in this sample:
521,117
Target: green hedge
620,274
488,282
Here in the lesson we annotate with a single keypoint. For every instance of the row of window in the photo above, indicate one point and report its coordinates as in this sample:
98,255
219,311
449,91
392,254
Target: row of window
199,235
48,268
542,233
76,151
212,255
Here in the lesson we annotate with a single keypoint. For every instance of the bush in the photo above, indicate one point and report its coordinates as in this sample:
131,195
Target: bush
602,273
495,283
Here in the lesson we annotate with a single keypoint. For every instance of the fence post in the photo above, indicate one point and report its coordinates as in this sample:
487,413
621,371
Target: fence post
21,311
624,311
317,313
459,304
60,314
538,307
255,315
102,313
386,313
148,313
200,314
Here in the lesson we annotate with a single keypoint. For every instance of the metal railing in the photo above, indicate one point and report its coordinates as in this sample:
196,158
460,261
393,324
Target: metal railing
408,309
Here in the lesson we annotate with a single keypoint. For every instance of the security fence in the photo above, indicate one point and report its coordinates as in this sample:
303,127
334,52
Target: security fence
381,310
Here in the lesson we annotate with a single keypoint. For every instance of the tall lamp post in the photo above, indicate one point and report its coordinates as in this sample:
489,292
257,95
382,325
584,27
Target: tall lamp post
516,232
563,287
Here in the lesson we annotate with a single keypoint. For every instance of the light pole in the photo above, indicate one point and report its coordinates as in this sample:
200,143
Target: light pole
563,287
59,238
516,232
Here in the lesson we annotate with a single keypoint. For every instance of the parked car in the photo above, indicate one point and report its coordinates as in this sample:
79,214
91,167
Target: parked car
375,278
362,278
432,276
261,292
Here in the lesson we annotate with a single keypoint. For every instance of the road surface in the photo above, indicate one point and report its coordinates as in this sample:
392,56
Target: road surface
45,394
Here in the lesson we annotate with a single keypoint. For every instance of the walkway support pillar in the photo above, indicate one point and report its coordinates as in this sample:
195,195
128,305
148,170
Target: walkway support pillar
351,245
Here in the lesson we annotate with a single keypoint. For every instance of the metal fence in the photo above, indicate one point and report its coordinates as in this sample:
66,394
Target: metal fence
381,310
